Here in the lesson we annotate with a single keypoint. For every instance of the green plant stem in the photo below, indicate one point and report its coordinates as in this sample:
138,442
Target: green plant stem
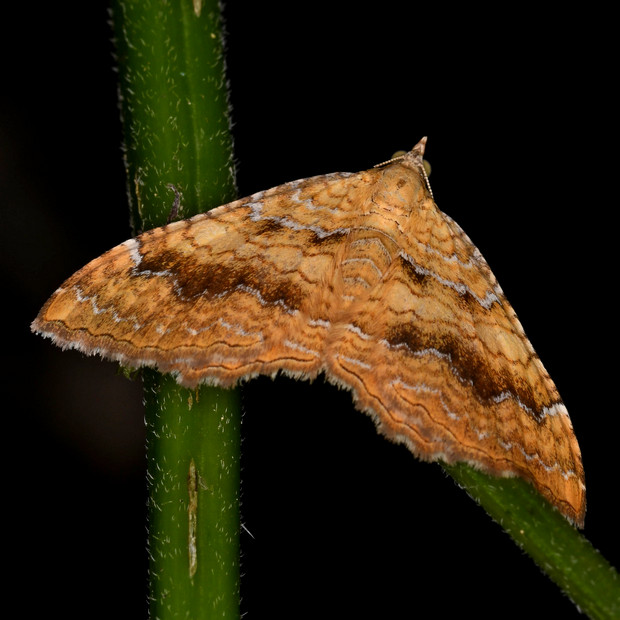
560,551
193,470
175,115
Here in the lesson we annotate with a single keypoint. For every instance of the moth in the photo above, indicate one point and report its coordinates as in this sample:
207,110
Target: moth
358,276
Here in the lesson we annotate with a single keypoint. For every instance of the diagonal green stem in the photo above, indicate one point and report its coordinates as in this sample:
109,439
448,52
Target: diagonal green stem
565,555
175,113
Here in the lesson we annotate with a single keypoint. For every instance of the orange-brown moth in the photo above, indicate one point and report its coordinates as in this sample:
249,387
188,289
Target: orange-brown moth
357,276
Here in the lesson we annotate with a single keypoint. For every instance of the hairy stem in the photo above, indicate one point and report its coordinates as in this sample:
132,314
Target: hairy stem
560,551
174,106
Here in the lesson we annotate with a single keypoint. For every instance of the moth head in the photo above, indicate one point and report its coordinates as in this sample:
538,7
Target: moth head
414,159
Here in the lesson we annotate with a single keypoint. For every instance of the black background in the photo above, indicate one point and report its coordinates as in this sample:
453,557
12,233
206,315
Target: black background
515,104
